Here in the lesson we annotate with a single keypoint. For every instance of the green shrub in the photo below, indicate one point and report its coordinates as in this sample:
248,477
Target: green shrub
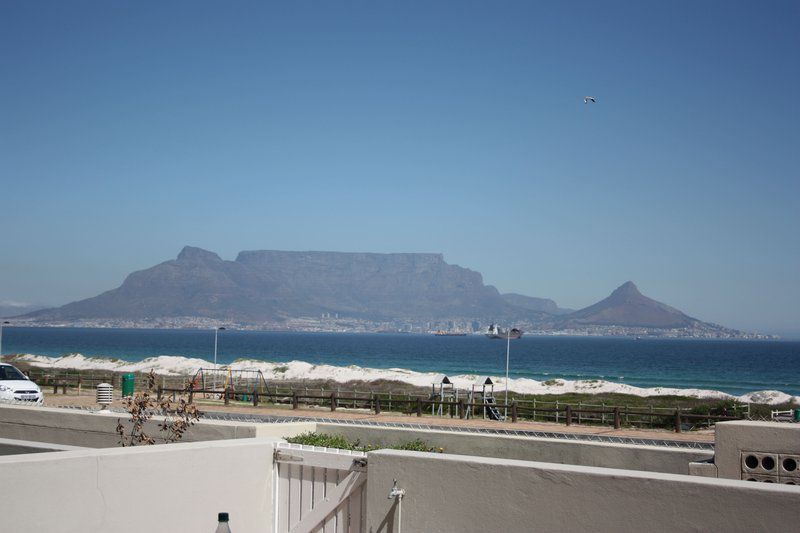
417,445
311,438
722,407
322,439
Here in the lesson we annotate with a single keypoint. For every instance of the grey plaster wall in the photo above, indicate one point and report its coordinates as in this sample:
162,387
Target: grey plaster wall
630,457
449,493
168,488
98,429
735,437
16,447
95,429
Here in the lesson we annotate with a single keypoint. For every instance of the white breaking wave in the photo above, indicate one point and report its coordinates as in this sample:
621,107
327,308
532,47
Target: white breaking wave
298,370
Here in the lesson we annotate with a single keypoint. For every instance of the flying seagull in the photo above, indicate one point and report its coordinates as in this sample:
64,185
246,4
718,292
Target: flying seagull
587,99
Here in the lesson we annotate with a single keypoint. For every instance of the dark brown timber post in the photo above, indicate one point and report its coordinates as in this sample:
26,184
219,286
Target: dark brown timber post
255,398
227,394
377,405
617,421
514,411
295,401
568,415
462,408
333,401
677,420
419,407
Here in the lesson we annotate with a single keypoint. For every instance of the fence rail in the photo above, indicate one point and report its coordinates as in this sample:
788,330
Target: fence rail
296,395
677,419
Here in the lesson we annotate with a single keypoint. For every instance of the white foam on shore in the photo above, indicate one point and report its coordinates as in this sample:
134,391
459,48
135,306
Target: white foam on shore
300,370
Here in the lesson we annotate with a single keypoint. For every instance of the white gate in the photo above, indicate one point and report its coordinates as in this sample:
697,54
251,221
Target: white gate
319,490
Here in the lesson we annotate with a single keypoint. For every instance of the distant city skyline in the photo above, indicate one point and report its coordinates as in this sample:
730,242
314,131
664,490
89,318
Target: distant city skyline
129,131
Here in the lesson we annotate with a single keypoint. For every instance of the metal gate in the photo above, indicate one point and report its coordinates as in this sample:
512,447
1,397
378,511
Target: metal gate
319,490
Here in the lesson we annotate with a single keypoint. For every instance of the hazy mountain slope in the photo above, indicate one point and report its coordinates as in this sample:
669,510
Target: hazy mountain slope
544,305
270,285
626,306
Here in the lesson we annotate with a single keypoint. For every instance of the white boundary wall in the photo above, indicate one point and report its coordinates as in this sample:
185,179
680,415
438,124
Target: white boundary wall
450,493
166,488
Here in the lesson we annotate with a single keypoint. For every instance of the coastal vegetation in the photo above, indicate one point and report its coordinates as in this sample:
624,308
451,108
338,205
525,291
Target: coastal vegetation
312,438
394,396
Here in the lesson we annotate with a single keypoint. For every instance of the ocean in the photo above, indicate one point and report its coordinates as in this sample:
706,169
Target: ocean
732,367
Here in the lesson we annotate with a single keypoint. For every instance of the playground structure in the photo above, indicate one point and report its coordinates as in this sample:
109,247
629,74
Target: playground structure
483,393
235,381
443,390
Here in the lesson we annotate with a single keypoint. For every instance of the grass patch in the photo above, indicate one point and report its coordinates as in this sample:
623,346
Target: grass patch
312,438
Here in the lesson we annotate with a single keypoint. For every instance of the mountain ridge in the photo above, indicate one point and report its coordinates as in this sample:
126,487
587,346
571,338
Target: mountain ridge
264,285
628,307
273,288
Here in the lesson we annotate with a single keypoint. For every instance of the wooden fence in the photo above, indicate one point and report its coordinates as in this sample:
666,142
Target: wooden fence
400,401
677,419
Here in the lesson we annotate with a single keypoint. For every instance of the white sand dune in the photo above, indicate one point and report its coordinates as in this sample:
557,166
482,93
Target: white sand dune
299,370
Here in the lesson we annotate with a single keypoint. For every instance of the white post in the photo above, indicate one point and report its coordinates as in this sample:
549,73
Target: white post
508,350
216,330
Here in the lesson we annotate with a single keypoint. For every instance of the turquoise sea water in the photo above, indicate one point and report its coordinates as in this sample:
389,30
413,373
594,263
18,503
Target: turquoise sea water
735,367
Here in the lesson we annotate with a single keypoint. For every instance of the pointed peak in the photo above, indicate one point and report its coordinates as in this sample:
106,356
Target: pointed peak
192,253
627,288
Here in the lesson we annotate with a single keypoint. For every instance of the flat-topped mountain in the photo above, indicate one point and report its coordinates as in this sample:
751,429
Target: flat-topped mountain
544,305
270,285
628,307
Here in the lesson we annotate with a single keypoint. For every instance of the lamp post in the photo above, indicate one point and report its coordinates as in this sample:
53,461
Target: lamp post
216,332
1,335
508,351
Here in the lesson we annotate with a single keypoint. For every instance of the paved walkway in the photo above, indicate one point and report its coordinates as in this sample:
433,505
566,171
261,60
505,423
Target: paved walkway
359,415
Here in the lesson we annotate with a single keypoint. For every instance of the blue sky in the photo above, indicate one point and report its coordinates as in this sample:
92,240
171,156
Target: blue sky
128,130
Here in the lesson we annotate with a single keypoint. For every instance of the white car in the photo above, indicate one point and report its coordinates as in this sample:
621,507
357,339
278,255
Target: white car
14,385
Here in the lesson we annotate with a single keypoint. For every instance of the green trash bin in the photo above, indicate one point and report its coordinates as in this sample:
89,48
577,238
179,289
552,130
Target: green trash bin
797,415
128,382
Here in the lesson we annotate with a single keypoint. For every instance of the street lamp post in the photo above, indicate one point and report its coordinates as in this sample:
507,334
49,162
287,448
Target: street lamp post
216,332
508,351
1,335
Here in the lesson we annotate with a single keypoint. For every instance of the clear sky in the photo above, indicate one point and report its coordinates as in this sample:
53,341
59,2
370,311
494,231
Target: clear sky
130,129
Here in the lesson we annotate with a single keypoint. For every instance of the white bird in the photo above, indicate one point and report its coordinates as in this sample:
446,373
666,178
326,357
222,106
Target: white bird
587,99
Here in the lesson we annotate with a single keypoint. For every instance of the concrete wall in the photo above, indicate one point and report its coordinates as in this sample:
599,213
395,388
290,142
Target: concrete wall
16,447
98,429
167,488
607,455
449,493
733,438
